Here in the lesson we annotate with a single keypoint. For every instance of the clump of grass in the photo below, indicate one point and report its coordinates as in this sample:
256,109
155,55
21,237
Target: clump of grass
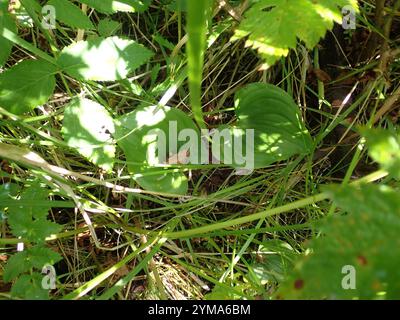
136,260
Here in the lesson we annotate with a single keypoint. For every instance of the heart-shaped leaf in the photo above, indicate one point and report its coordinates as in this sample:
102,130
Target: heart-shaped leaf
279,132
137,134
27,85
87,127
103,59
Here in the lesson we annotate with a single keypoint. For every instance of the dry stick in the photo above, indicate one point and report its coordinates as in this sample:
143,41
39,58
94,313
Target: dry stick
152,264
81,32
33,160
385,49
224,4
387,106
386,56
374,39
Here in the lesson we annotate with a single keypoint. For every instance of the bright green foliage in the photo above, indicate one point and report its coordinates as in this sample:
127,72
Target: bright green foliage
22,262
273,26
366,239
222,293
28,220
178,5
112,6
107,27
196,29
8,191
88,127
70,14
136,136
27,85
5,22
384,148
274,260
279,131
29,286
103,59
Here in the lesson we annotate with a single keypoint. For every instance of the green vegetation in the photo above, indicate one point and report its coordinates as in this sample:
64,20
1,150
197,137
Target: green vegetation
208,149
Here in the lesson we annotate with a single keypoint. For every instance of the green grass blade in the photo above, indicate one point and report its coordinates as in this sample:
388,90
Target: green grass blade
196,28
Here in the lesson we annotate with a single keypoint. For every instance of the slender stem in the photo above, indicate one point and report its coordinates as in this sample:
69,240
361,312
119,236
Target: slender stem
242,220
11,36
196,28
267,213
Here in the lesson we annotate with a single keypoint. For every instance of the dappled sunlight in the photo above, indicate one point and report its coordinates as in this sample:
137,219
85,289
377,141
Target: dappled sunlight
279,132
26,85
102,59
150,116
328,14
272,28
110,6
89,128
138,134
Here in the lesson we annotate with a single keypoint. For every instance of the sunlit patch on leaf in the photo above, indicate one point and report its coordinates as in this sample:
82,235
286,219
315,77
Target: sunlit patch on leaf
112,6
384,148
279,131
88,128
102,59
136,134
27,85
273,26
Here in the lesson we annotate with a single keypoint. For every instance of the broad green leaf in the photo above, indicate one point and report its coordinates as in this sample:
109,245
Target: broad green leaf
8,191
30,222
108,27
32,5
178,5
87,127
5,22
221,293
102,59
32,194
17,264
27,85
273,26
71,15
31,230
274,259
279,131
366,240
30,287
42,256
34,257
136,136
384,148
112,6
